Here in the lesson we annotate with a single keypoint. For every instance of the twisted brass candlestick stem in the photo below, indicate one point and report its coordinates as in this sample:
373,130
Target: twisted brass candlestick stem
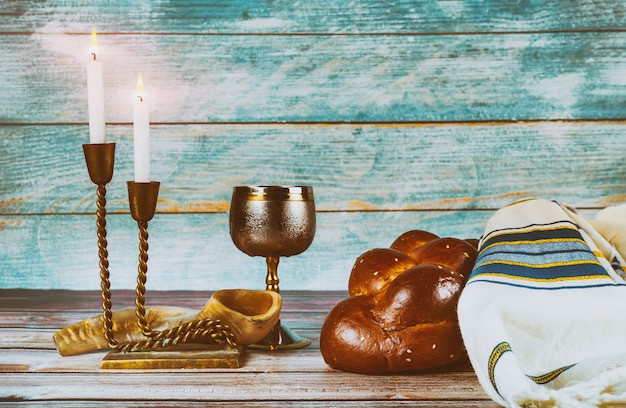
142,199
100,158
142,270
103,254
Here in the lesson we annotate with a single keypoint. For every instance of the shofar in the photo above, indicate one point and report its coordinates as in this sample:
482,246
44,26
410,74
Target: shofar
250,314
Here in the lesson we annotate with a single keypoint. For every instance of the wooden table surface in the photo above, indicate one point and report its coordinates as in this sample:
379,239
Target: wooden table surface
32,371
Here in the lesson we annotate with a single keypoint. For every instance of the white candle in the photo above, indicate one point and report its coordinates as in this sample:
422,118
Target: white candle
95,93
141,131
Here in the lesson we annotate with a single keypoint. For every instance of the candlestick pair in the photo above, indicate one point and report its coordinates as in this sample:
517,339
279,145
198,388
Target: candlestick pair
142,199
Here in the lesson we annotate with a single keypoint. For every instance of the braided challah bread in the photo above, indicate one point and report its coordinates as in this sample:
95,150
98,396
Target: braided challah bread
401,313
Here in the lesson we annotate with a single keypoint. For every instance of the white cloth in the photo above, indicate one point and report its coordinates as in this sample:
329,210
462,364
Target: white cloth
543,315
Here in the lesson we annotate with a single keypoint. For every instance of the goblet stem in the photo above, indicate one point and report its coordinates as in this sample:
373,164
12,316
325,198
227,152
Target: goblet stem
271,281
281,337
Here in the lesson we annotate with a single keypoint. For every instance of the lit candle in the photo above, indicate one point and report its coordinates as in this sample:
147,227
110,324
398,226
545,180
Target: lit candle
95,93
141,131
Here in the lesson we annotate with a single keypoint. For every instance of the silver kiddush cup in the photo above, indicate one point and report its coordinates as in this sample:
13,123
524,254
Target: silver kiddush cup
273,221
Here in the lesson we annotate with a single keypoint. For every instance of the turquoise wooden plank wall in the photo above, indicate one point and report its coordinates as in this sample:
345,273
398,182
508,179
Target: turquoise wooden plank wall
401,114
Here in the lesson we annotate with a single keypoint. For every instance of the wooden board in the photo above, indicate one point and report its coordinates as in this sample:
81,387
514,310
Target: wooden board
195,250
317,78
313,16
351,167
400,114
292,387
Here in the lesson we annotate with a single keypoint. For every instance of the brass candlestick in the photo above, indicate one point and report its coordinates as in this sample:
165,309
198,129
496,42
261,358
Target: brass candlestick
100,159
141,355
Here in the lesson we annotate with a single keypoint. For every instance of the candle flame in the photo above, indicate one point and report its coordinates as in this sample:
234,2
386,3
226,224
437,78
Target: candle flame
140,87
94,40
94,43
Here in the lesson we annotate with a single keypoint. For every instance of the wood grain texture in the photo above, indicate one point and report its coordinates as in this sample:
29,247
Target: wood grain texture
351,167
292,387
33,373
194,250
317,78
400,114
313,16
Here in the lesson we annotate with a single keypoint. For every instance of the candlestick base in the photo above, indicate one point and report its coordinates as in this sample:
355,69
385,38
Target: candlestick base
176,357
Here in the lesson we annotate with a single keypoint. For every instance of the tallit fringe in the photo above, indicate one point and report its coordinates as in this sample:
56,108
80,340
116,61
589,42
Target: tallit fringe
607,390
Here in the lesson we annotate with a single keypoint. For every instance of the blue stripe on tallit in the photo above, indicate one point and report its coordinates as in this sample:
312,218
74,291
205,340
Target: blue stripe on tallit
536,255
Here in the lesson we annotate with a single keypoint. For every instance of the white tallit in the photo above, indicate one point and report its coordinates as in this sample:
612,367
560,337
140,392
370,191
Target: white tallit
543,315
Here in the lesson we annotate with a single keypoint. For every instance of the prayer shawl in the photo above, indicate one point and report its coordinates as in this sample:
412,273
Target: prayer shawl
543,315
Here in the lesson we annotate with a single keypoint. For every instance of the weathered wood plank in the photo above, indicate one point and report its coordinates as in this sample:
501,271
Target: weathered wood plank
61,301
292,386
40,339
243,16
35,255
351,167
266,404
303,78
297,320
309,359
26,318
26,338
33,374
195,250
49,361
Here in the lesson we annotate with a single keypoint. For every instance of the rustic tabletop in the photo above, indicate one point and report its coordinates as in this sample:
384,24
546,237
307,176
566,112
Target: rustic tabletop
32,370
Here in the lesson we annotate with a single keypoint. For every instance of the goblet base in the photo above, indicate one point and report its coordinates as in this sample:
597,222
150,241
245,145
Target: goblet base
281,338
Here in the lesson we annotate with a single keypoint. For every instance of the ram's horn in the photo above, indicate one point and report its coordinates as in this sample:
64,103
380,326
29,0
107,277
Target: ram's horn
87,335
250,314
